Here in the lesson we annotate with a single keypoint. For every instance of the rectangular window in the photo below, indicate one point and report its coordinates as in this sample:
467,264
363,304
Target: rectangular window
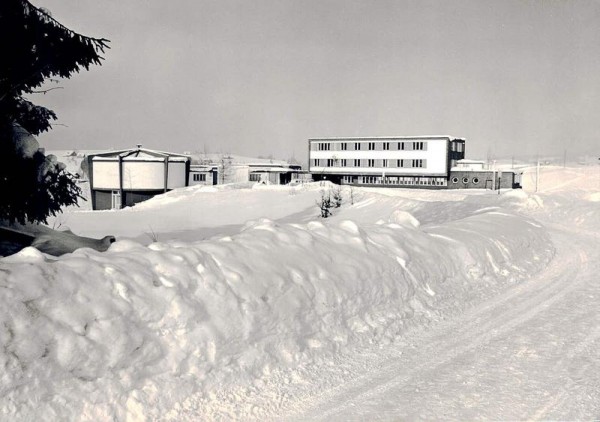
357,146
344,162
199,177
371,163
329,162
116,200
386,146
400,146
384,163
324,146
417,146
316,162
344,146
417,163
371,146
357,162
400,163
254,177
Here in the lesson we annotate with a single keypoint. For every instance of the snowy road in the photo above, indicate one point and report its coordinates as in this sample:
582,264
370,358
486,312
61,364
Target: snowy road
531,353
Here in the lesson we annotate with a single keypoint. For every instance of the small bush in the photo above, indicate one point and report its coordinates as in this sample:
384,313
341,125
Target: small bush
325,204
336,195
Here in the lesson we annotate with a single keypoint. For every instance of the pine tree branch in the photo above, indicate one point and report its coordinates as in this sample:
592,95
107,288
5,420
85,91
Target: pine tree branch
44,91
101,42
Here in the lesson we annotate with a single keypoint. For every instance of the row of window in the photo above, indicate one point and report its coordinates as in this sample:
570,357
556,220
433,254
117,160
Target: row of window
199,177
370,146
391,180
457,146
475,180
369,162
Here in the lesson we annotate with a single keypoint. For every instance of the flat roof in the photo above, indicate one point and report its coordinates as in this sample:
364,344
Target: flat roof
468,161
386,137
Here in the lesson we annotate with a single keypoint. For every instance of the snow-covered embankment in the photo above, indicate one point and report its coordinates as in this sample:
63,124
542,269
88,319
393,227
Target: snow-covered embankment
136,330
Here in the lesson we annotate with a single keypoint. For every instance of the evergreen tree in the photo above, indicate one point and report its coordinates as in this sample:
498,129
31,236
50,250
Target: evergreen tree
34,47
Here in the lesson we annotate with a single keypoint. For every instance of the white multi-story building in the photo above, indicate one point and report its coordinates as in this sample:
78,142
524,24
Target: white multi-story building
390,160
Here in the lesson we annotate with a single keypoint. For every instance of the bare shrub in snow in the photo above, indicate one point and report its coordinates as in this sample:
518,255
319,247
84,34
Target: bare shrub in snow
336,196
325,204
152,234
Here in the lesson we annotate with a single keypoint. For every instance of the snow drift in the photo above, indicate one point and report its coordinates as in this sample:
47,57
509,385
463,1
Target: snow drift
133,333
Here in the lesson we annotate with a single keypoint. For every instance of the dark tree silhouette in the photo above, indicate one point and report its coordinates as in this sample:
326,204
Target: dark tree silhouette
34,47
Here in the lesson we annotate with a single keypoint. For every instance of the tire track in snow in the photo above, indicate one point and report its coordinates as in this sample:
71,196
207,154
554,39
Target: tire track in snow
557,402
475,328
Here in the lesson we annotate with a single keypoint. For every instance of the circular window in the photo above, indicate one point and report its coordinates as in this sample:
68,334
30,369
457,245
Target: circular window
475,180
465,180
455,180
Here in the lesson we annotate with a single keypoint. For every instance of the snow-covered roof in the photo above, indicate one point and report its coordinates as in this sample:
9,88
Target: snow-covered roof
466,161
139,154
272,169
484,170
202,167
215,158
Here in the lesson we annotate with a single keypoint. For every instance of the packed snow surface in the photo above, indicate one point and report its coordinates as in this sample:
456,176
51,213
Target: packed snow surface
223,302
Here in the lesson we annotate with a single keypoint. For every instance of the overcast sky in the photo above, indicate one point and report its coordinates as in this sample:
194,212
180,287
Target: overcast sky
261,77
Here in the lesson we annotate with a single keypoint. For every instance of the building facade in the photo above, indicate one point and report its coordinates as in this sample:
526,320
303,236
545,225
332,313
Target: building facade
203,174
124,178
274,174
402,161
476,174
484,179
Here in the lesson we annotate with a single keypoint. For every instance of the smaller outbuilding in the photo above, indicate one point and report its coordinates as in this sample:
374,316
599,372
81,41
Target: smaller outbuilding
203,174
474,174
273,173
126,177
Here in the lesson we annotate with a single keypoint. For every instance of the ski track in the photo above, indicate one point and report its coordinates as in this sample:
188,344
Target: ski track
488,363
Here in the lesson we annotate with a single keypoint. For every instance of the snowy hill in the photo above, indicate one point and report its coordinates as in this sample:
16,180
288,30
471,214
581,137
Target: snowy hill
248,287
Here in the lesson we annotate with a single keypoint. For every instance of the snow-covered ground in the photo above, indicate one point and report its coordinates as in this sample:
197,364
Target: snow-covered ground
239,302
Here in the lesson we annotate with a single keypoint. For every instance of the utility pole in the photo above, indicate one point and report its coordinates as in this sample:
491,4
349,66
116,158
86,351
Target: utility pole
537,175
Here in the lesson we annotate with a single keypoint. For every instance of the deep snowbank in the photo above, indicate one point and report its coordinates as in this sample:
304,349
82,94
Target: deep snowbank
132,333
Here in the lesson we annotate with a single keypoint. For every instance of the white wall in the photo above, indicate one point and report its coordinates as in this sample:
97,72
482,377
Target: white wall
233,174
436,156
143,175
176,175
105,175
